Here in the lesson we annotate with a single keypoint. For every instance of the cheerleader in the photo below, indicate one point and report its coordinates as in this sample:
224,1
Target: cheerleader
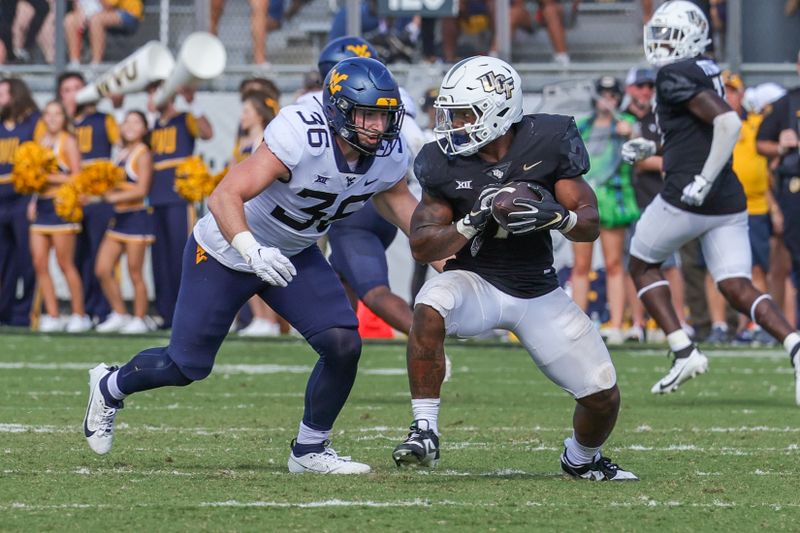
49,231
131,229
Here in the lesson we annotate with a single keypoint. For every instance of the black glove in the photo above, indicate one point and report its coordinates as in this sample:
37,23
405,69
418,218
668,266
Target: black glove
476,220
544,213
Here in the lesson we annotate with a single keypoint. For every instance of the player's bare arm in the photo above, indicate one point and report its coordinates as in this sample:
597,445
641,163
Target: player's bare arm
577,196
244,181
433,234
396,205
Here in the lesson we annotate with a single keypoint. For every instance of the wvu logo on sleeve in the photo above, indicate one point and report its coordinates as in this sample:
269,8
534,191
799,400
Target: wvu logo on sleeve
497,83
200,256
335,85
361,50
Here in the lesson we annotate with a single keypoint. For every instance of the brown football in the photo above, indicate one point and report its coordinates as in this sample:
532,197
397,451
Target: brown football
503,202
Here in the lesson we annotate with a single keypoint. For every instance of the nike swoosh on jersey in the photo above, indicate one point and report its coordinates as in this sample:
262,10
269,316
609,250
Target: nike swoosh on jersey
370,182
526,167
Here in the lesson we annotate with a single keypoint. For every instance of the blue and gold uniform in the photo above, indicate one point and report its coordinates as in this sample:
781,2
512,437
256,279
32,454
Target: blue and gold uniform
96,134
171,141
46,221
132,221
15,256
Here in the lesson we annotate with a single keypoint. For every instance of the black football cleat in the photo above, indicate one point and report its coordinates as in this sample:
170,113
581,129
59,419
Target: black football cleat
421,447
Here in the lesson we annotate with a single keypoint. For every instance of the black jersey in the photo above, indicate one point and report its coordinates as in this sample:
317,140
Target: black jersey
545,148
648,183
687,139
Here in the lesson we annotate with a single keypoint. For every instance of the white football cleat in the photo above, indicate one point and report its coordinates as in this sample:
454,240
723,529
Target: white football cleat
113,322
325,462
260,327
98,423
683,369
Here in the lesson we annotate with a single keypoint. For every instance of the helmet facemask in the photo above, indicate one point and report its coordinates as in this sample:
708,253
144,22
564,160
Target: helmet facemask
467,138
351,127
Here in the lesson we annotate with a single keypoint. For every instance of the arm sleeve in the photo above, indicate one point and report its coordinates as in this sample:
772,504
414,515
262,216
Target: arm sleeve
285,140
573,157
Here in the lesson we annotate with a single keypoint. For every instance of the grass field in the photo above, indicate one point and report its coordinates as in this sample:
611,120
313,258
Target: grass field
719,455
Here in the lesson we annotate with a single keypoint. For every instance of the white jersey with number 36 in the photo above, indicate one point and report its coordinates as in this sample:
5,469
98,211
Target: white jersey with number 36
323,188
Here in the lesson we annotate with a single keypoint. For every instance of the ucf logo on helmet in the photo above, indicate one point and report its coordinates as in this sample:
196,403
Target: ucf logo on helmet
497,83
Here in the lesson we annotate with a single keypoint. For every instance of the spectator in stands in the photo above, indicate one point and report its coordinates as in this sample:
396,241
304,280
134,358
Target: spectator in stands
551,15
603,132
473,19
778,140
115,16
647,183
265,16
9,21
50,232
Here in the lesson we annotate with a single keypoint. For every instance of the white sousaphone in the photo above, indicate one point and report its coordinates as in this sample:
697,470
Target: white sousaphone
152,62
202,57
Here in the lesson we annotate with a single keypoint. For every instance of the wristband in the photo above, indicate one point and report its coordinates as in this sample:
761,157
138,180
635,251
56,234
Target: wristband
242,242
572,219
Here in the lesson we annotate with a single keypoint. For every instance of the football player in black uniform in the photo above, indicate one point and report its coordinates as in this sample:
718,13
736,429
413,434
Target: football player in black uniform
702,198
503,279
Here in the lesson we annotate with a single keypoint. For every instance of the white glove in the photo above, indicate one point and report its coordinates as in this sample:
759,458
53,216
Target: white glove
268,263
637,149
695,193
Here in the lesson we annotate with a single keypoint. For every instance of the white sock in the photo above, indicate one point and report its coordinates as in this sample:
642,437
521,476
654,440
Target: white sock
678,340
113,388
427,409
720,325
306,435
791,341
577,453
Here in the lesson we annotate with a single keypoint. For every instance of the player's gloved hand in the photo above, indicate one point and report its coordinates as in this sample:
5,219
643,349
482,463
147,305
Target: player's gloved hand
695,193
268,263
542,214
637,149
476,220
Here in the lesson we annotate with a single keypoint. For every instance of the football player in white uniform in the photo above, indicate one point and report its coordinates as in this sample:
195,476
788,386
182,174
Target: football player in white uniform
701,198
505,278
315,166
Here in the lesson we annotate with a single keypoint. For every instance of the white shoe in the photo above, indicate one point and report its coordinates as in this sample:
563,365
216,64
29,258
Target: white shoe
655,336
135,326
260,327
325,462
448,368
98,423
683,369
113,322
78,323
49,324
612,336
634,334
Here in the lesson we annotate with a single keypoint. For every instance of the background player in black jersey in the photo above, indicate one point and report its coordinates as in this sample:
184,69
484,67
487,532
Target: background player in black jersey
702,198
502,280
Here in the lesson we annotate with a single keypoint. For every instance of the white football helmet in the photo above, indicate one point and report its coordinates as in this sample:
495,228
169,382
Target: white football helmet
677,30
485,88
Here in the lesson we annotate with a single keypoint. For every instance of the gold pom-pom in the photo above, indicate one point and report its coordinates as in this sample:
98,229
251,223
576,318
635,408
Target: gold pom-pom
32,164
67,203
95,179
192,179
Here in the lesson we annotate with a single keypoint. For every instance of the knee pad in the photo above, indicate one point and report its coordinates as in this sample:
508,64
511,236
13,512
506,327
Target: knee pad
337,345
439,294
